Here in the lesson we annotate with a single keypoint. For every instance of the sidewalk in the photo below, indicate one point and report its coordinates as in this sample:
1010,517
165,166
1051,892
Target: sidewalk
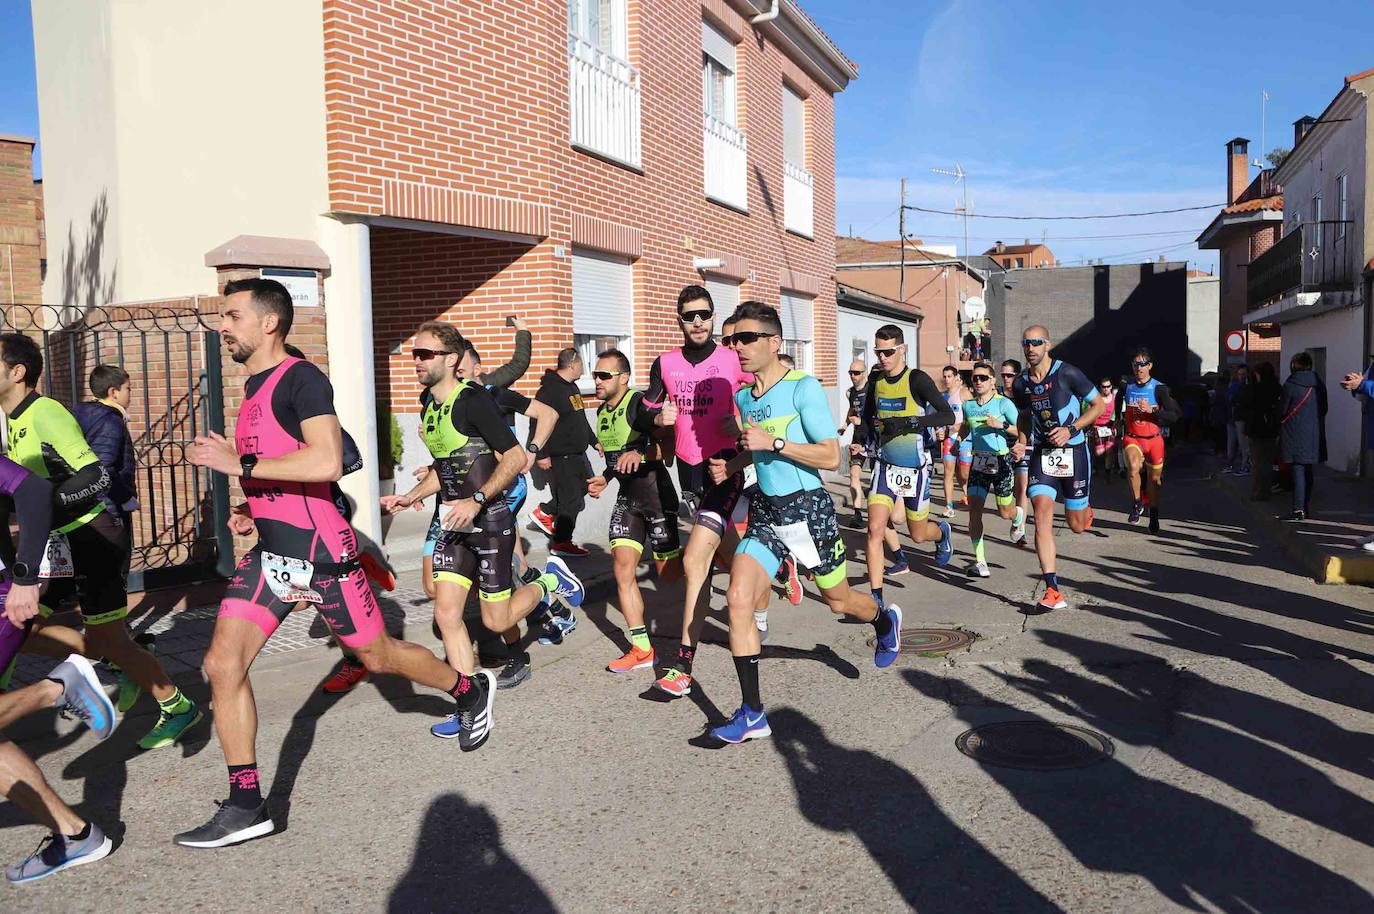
1327,544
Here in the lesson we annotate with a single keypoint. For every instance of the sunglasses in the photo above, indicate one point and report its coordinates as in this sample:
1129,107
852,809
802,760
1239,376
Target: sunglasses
606,375
982,377
1026,344
884,353
1008,374
696,317
1139,364
424,355
855,374
745,337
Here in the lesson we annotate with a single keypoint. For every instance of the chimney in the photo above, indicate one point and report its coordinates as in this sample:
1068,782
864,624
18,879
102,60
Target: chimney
1027,242
1000,247
1302,127
1237,168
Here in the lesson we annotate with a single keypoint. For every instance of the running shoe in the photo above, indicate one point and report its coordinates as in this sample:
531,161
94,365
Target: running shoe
1154,520
377,572
1136,510
473,726
541,520
1368,545
948,512
569,550
978,569
1242,472
569,589
761,623
349,674
1053,599
631,660
129,690
83,695
944,549
230,825
675,682
746,724
58,852
888,646
1018,527
516,671
900,566
792,585
558,626
171,727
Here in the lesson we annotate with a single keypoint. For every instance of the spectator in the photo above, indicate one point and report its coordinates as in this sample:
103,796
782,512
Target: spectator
1237,446
1260,413
564,457
104,422
1363,388
1302,430
1219,411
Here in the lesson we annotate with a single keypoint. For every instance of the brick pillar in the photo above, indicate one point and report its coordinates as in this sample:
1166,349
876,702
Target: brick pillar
20,256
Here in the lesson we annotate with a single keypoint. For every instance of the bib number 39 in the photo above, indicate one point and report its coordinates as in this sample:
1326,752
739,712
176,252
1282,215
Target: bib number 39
1057,462
289,579
903,481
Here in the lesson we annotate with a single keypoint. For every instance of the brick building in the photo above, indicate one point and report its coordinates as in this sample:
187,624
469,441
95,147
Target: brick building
573,162
21,224
1025,256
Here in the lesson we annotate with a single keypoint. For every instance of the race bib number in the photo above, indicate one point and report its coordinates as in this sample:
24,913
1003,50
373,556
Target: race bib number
797,538
57,559
985,463
289,578
751,476
903,481
1057,462
1104,431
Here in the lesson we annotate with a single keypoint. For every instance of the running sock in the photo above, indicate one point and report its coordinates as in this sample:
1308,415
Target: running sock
685,656
466,692
547,582
177,704
541,614
882,623
747,668
243,787
81,835
878,597
1020,520
639,638
979,552
1052,580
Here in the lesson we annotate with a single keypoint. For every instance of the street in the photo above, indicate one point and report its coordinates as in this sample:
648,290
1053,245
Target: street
1234,691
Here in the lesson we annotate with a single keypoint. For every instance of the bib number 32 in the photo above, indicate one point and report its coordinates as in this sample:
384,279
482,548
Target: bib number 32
1057,462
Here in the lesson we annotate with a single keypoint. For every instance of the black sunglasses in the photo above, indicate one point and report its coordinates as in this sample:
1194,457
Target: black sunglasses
982,377
606,375
855,374
1139,364
1026,344
696,317
745,337
884,353
424,355
1008,374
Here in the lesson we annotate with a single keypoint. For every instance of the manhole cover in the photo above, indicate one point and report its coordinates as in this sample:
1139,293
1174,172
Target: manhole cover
1034,745
933,641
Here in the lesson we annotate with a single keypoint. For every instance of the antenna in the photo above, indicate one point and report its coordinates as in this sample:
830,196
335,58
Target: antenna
1264,104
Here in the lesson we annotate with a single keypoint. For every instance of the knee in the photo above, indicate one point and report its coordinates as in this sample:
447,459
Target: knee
838,605
1077,524
375,655
224,667
448,614
740,599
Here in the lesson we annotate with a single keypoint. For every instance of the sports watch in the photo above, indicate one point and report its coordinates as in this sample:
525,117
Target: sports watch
246,463
779,444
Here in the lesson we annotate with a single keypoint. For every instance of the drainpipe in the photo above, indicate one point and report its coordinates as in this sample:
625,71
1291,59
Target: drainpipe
768,16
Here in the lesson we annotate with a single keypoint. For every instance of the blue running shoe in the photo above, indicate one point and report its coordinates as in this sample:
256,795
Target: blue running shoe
569,590
889,645
900,566
83,695
1136,510
944,550
448,728
558,626
58,853
744,725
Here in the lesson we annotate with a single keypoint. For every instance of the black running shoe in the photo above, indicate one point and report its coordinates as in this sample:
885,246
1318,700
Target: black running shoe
231,825
513,673
476,721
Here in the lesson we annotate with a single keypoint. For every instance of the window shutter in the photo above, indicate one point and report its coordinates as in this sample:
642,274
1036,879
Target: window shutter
793,127
795,311
725,297
603,294
717,46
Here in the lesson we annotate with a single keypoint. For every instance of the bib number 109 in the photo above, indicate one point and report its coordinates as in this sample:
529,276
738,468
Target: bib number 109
904,481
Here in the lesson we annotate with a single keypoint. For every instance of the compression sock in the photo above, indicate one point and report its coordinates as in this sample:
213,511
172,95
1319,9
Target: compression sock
1052,580
177,704
979,552
878,597
685,656
747,668
243,787
639,637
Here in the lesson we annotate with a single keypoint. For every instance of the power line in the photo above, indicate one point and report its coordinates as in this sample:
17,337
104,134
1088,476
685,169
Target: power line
890,213
1052,238
1163,250
1156,212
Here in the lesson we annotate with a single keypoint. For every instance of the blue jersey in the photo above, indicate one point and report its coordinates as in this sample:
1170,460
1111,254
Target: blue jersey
989,440
795,408
1054,401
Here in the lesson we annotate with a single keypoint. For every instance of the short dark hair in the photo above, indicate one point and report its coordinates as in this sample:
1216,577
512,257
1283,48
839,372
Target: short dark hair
1015,365
762,313
1106,379
268,297
949,368
568,357
1142,352
786,359
622,362
472,351
447,335
694,293
18,349
1302,361
103,377
890,332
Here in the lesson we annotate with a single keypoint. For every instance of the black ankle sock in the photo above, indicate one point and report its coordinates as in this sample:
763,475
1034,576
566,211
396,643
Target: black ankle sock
747,668
685,656
81,835
882,623
244,791
466,691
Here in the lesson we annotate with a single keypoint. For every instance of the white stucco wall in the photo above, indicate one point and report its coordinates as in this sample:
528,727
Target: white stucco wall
198,121
1340,335
1204,322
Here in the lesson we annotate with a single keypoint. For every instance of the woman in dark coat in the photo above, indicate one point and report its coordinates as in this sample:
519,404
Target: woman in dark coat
1302,429
1260,412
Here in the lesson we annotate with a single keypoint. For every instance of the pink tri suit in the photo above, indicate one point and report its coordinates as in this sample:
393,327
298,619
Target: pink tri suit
306,550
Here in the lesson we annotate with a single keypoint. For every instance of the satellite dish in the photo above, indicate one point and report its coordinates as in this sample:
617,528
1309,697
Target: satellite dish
975,308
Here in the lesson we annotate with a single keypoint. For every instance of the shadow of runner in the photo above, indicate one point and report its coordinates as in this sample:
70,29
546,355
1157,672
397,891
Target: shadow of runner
900,825
459,863
1191,849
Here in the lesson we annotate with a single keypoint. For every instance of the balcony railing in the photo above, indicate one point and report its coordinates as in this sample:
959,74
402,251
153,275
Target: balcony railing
727,162
1314,257
604,101
797,201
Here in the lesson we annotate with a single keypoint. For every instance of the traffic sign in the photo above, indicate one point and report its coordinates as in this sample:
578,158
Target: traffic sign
1235,342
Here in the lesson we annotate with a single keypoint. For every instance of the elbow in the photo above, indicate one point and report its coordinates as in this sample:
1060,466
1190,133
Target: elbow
832,458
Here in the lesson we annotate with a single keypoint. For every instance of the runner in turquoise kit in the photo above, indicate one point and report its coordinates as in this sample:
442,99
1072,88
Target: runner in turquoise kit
789,436
995,441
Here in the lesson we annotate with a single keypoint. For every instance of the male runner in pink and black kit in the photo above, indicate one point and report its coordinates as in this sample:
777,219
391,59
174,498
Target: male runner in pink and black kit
287,451
696,384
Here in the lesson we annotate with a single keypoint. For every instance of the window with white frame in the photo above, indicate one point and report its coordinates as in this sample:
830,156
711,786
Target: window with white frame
717,74
725,148
603,306
793,127
798,331
797,198
600,23
603,88
1342,203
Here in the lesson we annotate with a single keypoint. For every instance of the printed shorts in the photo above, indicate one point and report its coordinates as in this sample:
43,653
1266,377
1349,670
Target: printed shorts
1000,483
802,525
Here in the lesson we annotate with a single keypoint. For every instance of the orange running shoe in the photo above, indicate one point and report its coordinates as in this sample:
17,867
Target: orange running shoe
792,584
634,659
348,675
1052,599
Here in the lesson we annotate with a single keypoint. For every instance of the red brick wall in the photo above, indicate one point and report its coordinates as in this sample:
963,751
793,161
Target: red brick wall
21,280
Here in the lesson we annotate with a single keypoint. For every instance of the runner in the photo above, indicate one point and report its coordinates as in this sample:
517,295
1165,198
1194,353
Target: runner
476,460
624,426
903,404
1103,431
1011,370
787,431
990,427
954,451
1148,408
858,449
1050,395
89,548
695,385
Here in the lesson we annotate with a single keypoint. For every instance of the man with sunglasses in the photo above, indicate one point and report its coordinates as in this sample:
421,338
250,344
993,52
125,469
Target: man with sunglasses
858,448
902,404
1051,396
1147,407
694,385
990,427
788,434
1009,372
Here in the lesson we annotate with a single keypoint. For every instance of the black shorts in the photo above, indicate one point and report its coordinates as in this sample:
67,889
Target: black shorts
1000,483
483,555
718,502
99,570
639,516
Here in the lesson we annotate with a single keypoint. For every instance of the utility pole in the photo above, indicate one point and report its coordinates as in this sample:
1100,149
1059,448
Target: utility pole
901,244
960,178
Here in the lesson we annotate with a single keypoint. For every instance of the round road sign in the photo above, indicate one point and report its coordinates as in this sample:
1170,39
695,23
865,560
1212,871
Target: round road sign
1235,341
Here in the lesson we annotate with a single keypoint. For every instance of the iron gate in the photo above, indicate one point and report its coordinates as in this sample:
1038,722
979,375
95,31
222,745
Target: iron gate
180,532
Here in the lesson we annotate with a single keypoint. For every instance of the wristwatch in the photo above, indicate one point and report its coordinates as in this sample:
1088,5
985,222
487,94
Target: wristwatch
21,573
246,463
779,444
480,498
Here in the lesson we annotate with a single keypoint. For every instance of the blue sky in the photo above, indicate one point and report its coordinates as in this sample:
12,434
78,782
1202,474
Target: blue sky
1051,108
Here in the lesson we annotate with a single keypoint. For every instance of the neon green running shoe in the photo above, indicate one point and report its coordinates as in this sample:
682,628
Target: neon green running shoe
171,727
128,693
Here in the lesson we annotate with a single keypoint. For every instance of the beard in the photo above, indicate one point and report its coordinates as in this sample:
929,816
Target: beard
242,351
433,375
